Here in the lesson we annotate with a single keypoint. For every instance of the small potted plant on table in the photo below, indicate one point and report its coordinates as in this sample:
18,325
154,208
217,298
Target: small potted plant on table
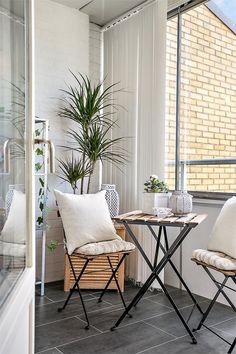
156,194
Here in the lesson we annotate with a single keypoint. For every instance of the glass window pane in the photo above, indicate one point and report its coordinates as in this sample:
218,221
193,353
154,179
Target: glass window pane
207,96
12,145
171,64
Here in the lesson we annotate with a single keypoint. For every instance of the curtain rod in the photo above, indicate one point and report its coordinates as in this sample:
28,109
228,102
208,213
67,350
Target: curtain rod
184,7
127,15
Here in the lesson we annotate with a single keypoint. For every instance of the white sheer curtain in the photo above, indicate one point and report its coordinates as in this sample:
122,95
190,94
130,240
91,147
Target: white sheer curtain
134,56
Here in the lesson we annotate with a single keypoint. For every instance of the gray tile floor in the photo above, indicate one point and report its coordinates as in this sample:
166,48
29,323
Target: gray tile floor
153,329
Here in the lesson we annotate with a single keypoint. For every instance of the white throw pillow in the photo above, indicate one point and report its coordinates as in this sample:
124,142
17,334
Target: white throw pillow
14,229
85,218
223,235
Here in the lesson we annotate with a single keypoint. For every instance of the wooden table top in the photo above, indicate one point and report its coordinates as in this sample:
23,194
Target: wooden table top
138,217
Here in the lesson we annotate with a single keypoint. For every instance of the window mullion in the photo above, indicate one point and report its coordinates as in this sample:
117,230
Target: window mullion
178,89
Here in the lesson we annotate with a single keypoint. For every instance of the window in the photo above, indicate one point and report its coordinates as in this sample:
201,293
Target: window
201,100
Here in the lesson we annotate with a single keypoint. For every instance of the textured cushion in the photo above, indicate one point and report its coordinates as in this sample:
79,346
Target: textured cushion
223,235
96,248
85,218
14,229
216,259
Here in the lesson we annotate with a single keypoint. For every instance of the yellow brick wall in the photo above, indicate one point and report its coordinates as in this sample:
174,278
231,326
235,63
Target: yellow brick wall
208,99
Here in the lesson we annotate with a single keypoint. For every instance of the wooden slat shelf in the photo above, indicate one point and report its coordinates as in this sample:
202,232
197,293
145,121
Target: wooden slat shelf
98,270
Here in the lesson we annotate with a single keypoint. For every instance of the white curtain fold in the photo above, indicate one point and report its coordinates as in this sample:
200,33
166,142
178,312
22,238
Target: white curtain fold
134,56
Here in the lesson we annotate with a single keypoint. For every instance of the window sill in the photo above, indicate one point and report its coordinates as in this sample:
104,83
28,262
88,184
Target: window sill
208,201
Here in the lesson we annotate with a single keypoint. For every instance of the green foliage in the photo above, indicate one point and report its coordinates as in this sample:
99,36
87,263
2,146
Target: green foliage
72,170
52,245
41,197
92,108
39,152
37,133
154,185
38,166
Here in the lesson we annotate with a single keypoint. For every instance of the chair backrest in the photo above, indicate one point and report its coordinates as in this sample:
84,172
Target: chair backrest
223,235
85,219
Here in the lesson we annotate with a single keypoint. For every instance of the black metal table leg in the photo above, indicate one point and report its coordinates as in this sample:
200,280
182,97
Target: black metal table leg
155,272
140,293
179,276
176,310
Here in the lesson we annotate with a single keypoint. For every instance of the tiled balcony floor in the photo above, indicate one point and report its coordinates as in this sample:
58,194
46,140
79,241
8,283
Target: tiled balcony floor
154,328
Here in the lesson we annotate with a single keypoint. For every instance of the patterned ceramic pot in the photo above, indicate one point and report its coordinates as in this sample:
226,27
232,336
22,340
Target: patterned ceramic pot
112,198
181,202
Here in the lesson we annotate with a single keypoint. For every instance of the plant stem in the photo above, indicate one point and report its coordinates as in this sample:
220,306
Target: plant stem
82,179
90,175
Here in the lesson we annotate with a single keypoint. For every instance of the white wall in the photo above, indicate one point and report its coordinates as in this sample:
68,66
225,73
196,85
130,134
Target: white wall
61,43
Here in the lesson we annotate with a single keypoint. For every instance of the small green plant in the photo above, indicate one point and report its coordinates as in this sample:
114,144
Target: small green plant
72,170
52,246
154,185
39,151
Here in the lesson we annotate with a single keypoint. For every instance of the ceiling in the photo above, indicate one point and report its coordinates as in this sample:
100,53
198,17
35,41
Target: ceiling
13,7
102,12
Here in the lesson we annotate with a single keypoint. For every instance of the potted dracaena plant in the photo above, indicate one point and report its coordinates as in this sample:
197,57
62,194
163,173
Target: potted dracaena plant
93,109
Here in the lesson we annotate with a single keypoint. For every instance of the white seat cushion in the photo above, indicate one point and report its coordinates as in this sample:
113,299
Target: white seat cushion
223,235
97,248
218,260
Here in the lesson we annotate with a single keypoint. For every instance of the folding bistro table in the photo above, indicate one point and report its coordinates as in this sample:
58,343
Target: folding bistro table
186,224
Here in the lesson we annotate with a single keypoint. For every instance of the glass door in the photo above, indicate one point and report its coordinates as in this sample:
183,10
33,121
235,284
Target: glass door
13,78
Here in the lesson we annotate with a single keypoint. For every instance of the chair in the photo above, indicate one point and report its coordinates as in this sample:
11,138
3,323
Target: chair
89,251
220,257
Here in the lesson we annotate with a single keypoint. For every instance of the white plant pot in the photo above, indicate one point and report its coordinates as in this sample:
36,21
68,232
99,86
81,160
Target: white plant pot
158,200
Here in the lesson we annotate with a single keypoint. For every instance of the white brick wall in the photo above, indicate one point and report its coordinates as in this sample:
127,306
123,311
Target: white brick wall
61,43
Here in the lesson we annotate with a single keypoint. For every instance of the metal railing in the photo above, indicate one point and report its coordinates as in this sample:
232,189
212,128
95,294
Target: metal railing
183,164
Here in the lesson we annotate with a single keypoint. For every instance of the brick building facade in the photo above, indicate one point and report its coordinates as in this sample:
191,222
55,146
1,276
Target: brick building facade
207,100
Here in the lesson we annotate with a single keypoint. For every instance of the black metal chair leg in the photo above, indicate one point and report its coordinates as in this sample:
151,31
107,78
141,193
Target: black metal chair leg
232,346
206,313
118,286
76,284
112,275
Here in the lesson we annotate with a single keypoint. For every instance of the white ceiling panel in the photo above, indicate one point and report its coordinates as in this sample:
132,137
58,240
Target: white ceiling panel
77,4
103,11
